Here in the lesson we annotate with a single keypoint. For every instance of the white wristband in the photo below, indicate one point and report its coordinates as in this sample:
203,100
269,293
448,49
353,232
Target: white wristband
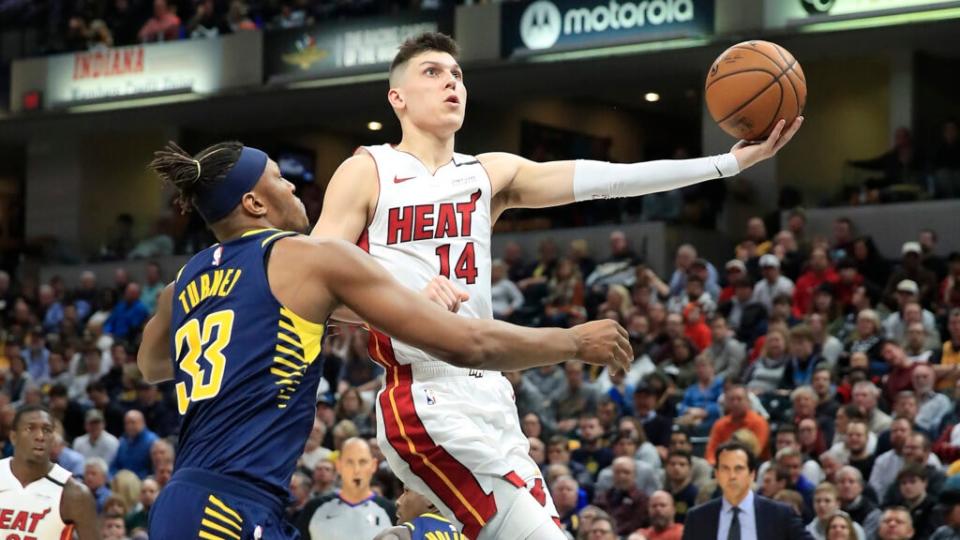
603,180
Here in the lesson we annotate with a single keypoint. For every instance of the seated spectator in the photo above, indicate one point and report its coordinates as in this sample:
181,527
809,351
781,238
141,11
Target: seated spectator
549,380
646,476
727,353
912,482
908,311
773,283
645,450
948,369
745,316
767,373
803,357
129,315
819,272
696,329
558,454
791,258
949,293
855,445
134,451
506,297
911,269
917,345
206,22
623,501
867,339
683,264
896,524
738,416
699,407
351,406
95,478
933,406
951,516
861,509
96,442
565,492
663,523
889,463
773,481
593,453
735,270
916,450
865,396
113,527
679,481
575,398
164,25
160,417
826,504
900,377
564,293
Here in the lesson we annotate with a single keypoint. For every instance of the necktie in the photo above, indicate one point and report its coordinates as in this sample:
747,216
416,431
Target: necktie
734,533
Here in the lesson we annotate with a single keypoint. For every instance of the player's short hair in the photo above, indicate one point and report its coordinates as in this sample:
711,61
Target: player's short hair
425,42
188,174
27,409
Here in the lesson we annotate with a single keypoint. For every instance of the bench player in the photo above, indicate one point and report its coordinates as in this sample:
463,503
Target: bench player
240,330
423,210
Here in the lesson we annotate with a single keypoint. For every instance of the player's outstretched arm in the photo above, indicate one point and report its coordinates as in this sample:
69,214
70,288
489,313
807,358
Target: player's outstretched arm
153,358
394,533
340,273
521,183
78,506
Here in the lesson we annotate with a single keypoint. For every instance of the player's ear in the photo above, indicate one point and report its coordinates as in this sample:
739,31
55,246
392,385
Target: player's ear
395,98
254,204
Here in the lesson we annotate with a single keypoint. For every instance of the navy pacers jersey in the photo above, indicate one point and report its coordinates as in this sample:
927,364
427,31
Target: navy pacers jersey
432,527
246,369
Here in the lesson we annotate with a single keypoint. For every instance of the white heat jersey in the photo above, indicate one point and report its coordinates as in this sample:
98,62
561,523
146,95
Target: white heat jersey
32,512
427,225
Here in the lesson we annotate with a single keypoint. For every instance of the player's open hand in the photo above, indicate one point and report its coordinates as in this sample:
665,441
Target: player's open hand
749,153
447,295
604,343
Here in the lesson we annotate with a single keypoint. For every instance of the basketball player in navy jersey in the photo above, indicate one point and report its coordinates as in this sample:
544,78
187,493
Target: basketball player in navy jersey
423,210
419,520
239,331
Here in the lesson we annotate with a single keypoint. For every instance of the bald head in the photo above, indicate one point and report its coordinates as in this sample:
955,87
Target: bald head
356,467
133,423
661,509
624,473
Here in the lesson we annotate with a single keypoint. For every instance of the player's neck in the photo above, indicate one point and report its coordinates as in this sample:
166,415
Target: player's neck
434,151
28,473
355,496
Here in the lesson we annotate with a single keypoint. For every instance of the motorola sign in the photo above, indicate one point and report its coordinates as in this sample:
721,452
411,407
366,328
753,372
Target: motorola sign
542,25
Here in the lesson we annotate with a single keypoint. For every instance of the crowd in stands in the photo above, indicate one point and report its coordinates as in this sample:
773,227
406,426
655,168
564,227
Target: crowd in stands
90,24
837,367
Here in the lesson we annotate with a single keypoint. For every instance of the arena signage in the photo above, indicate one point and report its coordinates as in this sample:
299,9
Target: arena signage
779,13
120,73
551,25
365,44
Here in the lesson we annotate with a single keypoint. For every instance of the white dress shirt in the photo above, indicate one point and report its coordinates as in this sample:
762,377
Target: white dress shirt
748,519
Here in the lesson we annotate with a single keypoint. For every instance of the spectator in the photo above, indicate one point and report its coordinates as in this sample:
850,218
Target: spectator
679,482
701,470
206,22
163,26
949,294
301,485
134,451
916,345
818,273
868,339
237,18
96,442
549,380
139,516
896,524
95,478
593,453
855,444
130,314
908,311
17,379
565,492
826,504
803,358
699,407
506,297
111,410
933,405
861,509
950,530
948,370
530,400
37,356
827,400
683,263
663,525
558,453
791,259
912,480
153,284
768,373
911,269
899,165
564,294
727,353
773,283
113,527
575,398
624,501
735,270
602,526
160,417
917,450
841,527
869,263
889,463
773,481
738,416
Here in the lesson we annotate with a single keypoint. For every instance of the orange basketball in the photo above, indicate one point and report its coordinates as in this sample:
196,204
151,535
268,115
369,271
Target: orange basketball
751,86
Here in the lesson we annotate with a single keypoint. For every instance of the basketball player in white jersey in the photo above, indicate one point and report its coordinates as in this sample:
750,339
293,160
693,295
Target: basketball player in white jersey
423,210
38,499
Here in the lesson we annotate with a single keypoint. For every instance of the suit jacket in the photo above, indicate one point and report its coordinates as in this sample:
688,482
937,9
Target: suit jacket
774,520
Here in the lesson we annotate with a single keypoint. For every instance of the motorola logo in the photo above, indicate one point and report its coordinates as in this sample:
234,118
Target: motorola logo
540,25
817,7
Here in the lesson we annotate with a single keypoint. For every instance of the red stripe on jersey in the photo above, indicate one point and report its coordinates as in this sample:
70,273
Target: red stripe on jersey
380,349
444,475
364,241
67,533
514,479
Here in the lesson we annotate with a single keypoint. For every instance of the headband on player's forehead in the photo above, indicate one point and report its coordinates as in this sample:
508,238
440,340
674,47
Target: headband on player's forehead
215,201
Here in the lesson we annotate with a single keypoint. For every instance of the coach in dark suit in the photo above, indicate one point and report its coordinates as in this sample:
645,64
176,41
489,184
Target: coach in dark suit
740,514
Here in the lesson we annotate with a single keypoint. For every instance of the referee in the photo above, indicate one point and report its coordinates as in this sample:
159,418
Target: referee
354,511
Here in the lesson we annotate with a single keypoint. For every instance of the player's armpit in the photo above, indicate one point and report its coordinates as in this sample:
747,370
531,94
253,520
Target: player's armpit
521,183
153,358
77,506
347,201
394,533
